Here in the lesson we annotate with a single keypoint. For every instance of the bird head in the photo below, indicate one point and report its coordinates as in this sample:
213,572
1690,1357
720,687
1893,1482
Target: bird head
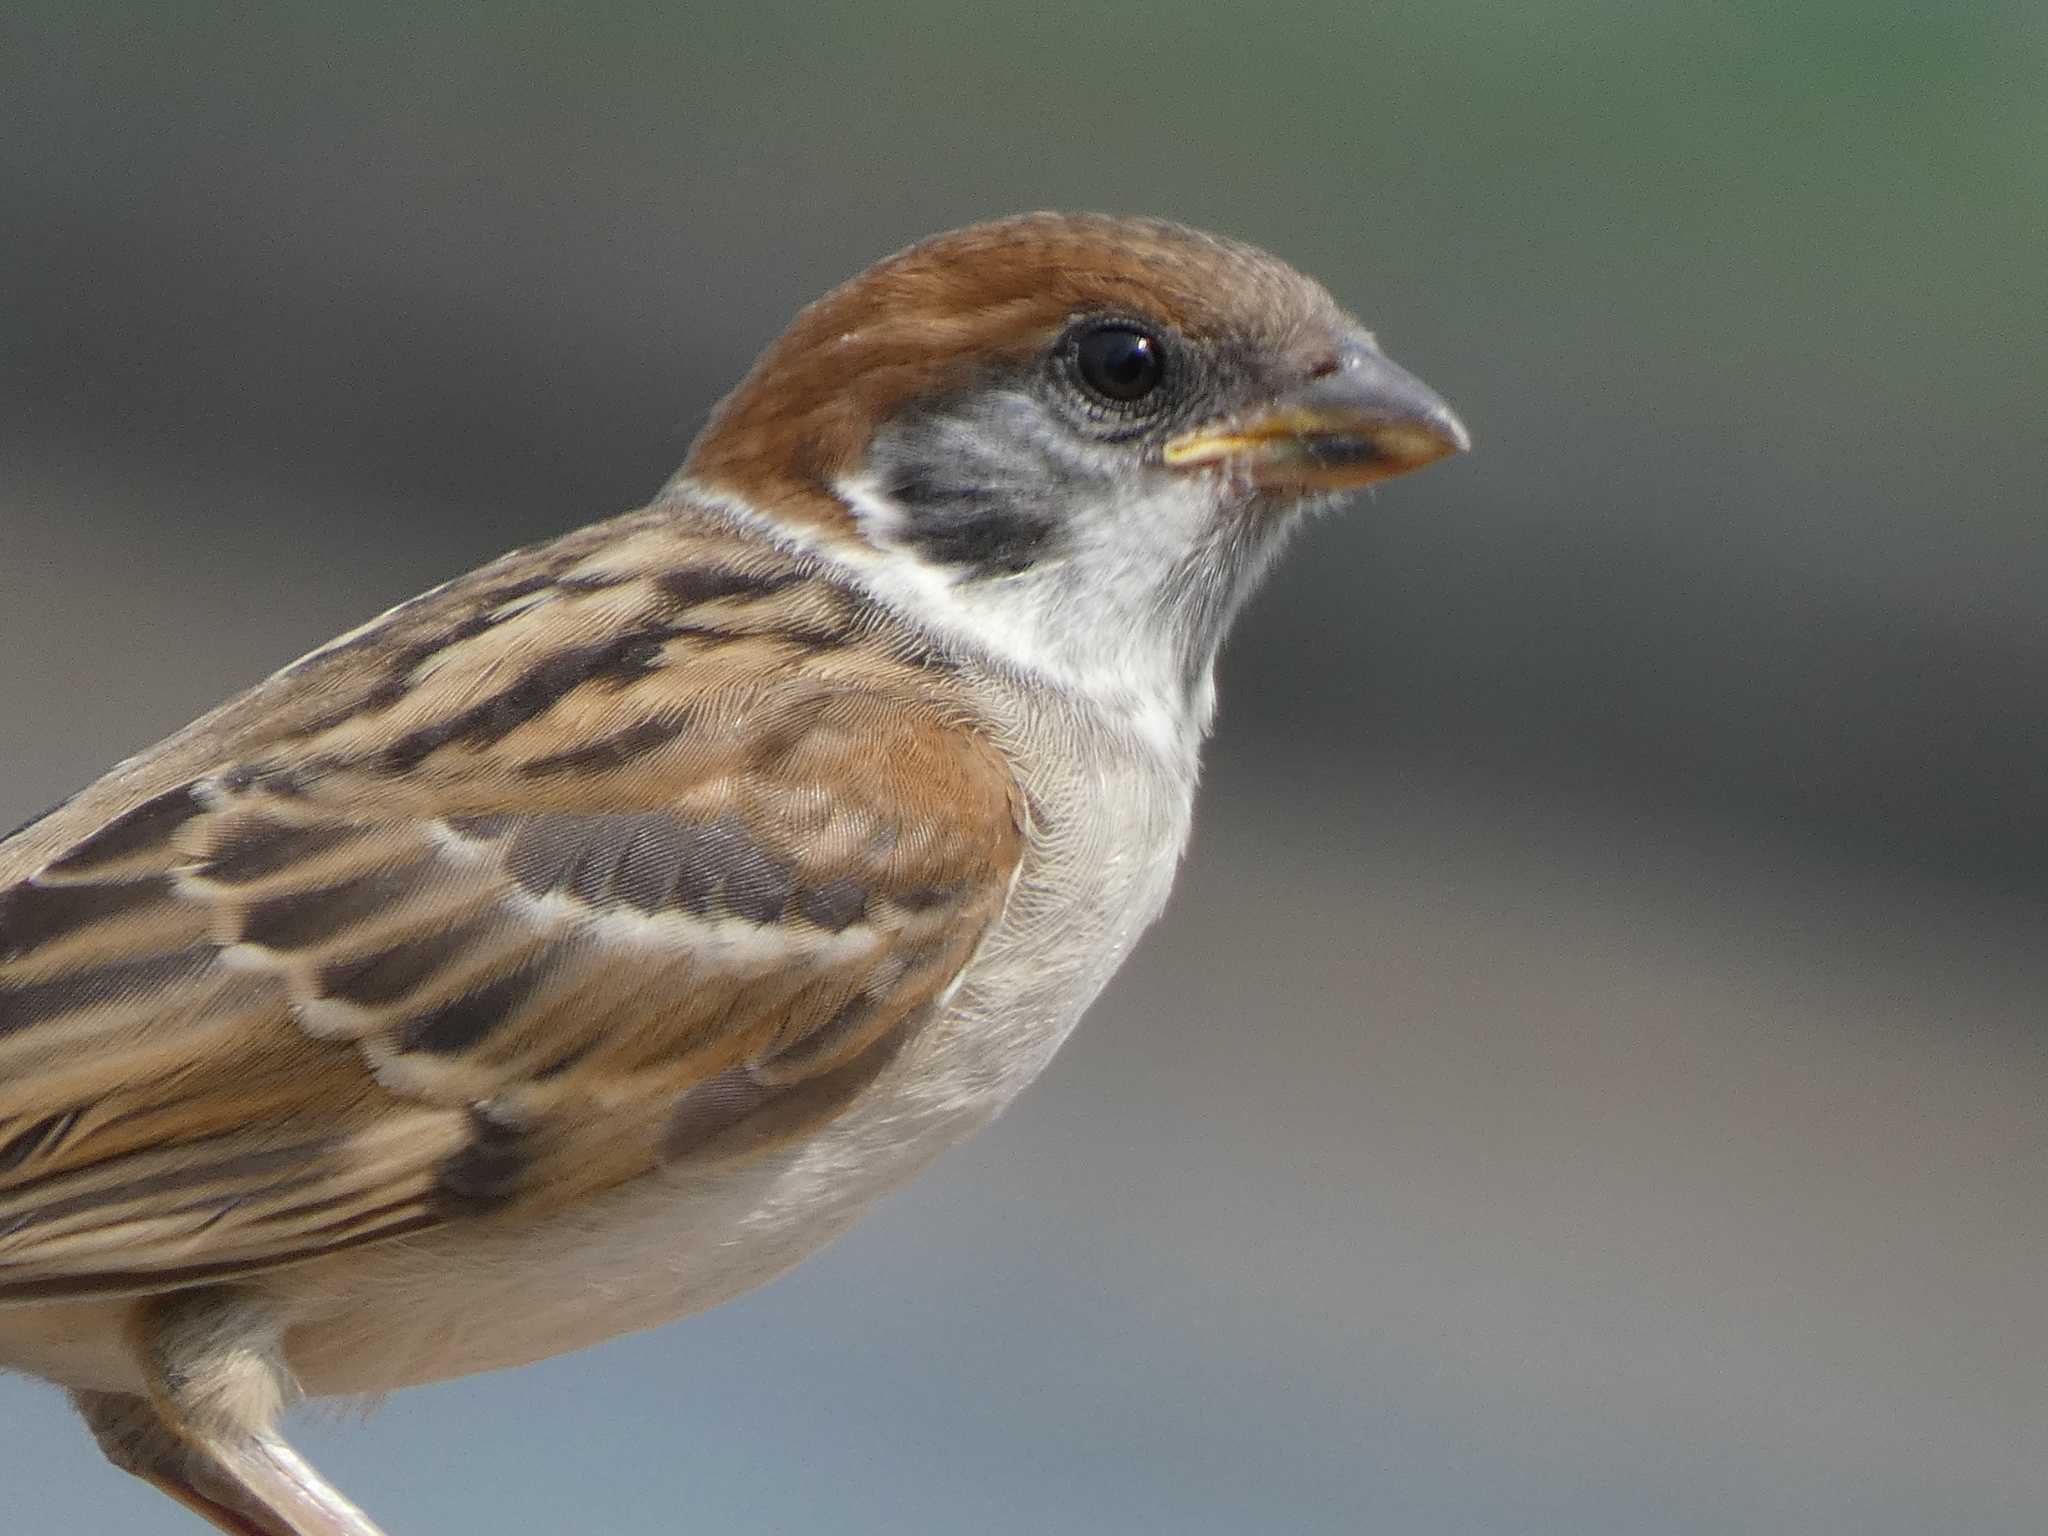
1072,442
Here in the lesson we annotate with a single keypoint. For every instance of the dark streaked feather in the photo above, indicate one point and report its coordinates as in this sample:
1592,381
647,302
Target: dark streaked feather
587,860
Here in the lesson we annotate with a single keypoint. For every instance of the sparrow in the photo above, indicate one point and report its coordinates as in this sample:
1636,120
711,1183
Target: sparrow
594,936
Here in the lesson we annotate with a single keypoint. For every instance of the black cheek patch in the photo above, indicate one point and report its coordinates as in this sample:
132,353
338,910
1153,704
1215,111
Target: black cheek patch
976,482
953,522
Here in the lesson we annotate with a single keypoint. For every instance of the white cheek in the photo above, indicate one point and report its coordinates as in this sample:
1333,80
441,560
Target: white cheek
1089,616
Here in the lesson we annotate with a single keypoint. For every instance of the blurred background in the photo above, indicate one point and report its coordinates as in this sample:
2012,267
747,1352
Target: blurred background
1591,1078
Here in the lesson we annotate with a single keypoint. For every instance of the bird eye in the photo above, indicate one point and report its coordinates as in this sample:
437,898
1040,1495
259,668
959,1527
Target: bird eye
1120,363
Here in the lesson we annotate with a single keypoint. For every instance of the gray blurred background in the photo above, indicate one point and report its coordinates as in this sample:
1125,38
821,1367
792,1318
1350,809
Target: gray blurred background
1591,1078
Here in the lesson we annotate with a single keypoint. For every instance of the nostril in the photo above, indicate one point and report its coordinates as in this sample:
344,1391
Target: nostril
1326,366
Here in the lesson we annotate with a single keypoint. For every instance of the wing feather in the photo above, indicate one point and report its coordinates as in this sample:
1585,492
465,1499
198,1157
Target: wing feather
439,929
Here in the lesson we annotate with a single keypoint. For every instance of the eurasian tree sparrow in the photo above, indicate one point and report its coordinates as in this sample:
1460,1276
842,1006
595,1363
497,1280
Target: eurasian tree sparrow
591,938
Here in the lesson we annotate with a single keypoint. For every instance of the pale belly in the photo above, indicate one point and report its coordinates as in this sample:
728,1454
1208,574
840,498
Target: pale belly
674,1242
683,1239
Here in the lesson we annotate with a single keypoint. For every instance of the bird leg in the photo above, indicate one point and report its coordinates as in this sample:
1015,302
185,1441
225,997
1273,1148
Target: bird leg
206,1434
135,1440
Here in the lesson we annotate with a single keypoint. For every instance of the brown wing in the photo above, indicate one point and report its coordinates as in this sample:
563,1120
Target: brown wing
648,875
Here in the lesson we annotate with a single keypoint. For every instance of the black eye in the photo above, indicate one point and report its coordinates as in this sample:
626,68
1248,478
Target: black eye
1120,362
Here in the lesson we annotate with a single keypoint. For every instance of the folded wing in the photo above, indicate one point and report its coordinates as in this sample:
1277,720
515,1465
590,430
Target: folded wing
460,952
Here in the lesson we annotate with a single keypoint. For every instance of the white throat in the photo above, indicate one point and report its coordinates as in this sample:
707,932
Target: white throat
1095,621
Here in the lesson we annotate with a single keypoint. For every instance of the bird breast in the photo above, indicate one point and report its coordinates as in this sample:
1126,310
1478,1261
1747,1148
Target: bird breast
1109,817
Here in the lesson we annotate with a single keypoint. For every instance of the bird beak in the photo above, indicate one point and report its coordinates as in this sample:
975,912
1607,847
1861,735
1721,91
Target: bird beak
1358,420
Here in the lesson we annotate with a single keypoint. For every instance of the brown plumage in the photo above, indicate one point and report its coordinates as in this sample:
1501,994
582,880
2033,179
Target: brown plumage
334,965
594,936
